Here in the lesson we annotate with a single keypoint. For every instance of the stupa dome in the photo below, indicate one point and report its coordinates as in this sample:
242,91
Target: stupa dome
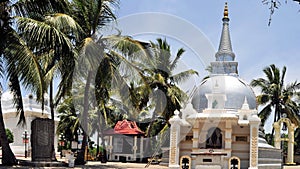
234,89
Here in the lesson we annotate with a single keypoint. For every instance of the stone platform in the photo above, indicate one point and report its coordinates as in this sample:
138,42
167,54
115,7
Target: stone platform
30,163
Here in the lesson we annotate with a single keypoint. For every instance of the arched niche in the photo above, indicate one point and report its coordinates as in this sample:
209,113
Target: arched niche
214,138
234,163
185,162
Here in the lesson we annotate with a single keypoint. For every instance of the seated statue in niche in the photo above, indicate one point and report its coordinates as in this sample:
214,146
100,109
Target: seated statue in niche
214,138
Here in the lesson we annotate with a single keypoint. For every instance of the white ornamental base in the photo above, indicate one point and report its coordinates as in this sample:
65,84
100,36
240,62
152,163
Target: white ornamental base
208,167
174,167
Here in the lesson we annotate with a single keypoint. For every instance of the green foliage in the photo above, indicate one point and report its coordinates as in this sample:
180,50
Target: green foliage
276,95
10,136
269,139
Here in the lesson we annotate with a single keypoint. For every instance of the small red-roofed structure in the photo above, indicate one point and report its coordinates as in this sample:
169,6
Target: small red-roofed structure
125,142
125,127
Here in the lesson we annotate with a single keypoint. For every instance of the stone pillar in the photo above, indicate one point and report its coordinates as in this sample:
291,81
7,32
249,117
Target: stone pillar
110,147
277,138
290,155
141,148
199,139
196,137
228,133
134,148
254,145
174,140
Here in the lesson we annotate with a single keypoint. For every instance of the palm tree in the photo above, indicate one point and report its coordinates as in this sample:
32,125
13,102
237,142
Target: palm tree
8,36
58,49
164,83
92,15
68,120
276,97
48,55
17,69
158,77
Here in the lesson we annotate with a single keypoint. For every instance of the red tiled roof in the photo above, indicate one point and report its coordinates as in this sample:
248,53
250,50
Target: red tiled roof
125,127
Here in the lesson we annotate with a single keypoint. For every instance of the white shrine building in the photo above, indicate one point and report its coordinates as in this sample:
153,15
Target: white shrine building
219,128
32,110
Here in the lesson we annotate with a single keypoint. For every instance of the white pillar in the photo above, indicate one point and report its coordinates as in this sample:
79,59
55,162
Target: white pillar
196,137
277,138
141,148
253,145
134,147
290,155
110,148
228,133
174,141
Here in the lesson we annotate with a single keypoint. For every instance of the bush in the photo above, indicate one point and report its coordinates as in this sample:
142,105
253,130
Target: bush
10,136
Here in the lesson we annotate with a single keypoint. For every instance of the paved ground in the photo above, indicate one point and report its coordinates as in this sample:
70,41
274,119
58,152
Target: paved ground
108,165
92,164
291,167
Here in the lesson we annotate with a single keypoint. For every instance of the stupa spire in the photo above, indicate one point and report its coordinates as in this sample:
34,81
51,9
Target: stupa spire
226,10
225,63
225,52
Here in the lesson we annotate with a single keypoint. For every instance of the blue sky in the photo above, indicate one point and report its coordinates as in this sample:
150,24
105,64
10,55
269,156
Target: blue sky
255,44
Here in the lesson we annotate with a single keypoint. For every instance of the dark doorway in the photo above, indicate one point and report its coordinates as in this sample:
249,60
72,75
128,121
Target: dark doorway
234,164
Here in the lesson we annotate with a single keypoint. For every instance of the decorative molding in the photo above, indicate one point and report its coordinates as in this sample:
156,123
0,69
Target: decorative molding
254,153
228,140
173,147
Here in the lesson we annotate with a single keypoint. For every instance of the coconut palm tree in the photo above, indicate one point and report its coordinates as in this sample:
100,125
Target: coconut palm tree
164,82
92,15
17,68
68,120
276,97
9,36
159,79
67,36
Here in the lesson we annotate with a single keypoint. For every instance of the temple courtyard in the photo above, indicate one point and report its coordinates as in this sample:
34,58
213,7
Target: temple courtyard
108,165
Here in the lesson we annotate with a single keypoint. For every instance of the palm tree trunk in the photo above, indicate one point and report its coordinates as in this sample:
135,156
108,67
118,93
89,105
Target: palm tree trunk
148,141
104,154
98,141
8,157
52,118
80,159
276,118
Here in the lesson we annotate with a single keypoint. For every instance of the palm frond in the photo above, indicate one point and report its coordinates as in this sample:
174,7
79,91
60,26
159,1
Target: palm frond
178,56
43,35
65,24
263,99
183,76
90,54
15,88
28,67
265,113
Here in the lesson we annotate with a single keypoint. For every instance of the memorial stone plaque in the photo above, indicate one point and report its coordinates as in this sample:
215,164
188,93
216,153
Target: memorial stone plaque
41,139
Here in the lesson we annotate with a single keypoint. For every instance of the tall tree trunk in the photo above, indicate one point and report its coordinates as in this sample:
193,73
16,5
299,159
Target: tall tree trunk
80,159
149,153
276,118
8,157
104,153
52,118
98,141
